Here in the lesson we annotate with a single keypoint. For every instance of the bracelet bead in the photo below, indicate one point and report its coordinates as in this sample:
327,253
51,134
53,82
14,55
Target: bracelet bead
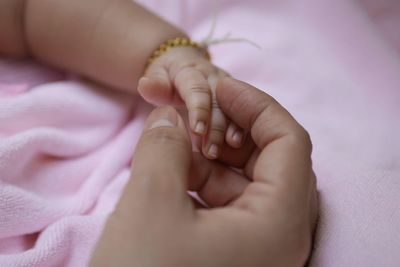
179,41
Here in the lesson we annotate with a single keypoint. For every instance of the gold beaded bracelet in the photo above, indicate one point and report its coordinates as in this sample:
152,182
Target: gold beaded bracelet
180,41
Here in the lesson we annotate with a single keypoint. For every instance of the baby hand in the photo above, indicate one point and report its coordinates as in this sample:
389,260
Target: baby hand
184,75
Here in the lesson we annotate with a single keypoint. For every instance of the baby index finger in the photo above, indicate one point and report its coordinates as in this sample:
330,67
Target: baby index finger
196,93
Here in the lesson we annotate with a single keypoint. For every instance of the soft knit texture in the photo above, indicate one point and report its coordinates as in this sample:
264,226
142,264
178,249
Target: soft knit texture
65,145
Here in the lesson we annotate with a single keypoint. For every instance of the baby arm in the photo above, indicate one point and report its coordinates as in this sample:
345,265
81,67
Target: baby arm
109,41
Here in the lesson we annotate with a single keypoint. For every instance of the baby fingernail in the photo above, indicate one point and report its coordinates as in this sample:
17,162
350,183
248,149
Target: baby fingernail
200,128
237,137
213,151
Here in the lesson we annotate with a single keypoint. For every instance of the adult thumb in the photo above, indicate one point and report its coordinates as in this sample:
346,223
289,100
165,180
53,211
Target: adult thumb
161,164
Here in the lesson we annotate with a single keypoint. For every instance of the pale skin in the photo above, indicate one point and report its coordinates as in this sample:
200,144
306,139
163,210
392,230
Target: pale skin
109,42
261,214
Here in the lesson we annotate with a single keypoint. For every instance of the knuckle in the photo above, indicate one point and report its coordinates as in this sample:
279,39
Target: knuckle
244,98
200,100
267,110
303,137
214,105
239,101
187,68
198,88
202,109
189,65
207,68
177,66
218,129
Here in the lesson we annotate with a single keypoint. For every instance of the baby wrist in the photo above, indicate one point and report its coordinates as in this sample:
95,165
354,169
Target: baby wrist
177,42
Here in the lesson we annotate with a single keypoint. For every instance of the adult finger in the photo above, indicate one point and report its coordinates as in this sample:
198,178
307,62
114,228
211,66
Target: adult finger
161,164
285,158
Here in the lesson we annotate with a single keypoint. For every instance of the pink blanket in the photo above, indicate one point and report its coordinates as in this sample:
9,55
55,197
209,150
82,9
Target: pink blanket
65,146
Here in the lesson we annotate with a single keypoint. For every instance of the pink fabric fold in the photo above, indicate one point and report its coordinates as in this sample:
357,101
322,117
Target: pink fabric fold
65,145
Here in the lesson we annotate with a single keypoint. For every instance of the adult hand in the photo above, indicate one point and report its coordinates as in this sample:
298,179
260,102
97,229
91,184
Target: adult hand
263,215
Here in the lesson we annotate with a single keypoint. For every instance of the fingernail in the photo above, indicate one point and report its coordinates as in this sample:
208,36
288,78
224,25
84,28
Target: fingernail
237,137
200,128
141,88
213,151
163,117
161,123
